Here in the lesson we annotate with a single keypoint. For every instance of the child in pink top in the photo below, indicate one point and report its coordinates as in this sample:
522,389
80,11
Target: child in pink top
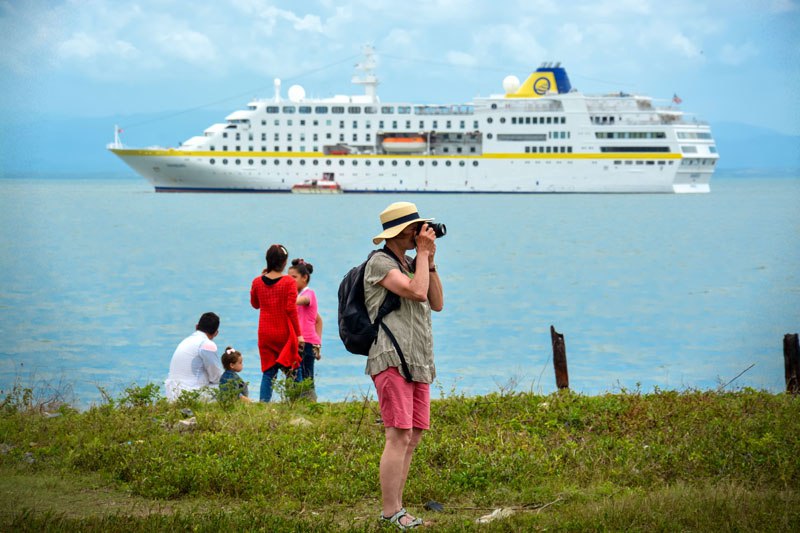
310,321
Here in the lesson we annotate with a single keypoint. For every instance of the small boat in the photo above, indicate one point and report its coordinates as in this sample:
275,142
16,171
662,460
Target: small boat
403,145
326,185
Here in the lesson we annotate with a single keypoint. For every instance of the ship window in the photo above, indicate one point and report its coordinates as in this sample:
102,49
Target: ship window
494,106
272,109
238,161
502,120
321,109
355,163
368,162
337,109
224,161
276,162
304,109
513,120
489,120
224,134
288,109
355,124
211,148
277,122
435,163
277,148
315,162
472,149
288,161
689,149
458,149
249,161
651,162
404,109
474,163
527,149
408,124
389,110
355,137
712,149
489,135
662,162
354,110
341,162
238,148
461,163
475,124
445,149
302,161
212,161
421,162
380,163
370,110
328,135
394,163
263,161
328,162
448,163
408,163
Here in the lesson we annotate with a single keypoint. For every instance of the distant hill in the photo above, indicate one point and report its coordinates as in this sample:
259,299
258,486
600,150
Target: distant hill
742,146
76,147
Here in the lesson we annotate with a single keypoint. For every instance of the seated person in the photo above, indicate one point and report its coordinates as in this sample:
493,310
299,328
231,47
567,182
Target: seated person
194,363
230,382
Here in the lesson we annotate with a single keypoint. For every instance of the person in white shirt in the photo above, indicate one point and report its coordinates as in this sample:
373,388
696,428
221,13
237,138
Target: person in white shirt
194,363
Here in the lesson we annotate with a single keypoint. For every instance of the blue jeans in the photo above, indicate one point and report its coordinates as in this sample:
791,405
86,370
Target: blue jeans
308,361
266,381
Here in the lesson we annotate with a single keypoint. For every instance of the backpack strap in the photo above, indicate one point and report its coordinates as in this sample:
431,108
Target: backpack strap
390,303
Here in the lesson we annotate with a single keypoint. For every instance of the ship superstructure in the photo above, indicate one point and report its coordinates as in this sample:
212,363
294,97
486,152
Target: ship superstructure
537,136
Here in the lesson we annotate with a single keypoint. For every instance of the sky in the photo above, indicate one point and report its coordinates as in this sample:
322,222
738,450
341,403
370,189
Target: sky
728,61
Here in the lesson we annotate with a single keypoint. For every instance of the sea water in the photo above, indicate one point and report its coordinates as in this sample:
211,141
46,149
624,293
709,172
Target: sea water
102,278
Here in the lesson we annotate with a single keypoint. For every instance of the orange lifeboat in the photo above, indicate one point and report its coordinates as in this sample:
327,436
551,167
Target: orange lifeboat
403,145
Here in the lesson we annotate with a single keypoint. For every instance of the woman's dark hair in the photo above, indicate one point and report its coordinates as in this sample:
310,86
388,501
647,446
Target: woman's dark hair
276,258
208,323
303,268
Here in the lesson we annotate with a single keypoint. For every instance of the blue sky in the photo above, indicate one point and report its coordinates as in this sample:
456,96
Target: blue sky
728,61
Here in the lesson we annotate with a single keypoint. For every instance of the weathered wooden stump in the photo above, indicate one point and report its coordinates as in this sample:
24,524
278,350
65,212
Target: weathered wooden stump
559,359
791,362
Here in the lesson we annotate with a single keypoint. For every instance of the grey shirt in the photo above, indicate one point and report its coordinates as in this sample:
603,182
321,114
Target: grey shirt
410,324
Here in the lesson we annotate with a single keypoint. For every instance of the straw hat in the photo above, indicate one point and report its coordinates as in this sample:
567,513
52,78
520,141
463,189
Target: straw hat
396,218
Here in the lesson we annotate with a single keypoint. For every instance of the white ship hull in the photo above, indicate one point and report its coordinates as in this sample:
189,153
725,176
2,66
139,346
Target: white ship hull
541,136
186,171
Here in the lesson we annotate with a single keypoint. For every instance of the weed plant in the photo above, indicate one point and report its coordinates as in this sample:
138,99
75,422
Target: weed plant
688,461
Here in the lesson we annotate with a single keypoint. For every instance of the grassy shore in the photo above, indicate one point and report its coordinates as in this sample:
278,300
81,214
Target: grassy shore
661,461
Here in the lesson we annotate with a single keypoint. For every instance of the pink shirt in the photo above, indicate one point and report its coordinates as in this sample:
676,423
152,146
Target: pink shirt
307,314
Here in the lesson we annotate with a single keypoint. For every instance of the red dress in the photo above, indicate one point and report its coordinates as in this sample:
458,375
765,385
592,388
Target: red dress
278,327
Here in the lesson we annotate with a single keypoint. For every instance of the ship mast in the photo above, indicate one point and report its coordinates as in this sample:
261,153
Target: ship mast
368,80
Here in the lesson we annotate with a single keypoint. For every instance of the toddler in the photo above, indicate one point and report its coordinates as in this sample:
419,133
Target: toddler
230,380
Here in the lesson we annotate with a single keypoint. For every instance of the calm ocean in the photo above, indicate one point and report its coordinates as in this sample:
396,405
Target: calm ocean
102,278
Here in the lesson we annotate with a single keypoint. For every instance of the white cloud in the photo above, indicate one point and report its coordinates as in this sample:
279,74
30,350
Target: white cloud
735,55
684,45
187,45
80,46
571,34
460,58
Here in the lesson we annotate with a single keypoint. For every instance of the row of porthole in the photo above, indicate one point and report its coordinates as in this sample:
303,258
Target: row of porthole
341,162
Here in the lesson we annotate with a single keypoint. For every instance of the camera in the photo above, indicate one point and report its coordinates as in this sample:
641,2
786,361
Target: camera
438,228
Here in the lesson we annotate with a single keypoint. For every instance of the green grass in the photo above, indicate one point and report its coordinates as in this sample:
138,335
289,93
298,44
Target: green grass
665,461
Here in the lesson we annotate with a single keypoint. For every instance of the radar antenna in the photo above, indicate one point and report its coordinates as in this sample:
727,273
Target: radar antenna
368,80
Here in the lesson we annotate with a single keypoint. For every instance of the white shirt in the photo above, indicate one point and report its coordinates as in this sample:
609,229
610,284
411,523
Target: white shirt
193,365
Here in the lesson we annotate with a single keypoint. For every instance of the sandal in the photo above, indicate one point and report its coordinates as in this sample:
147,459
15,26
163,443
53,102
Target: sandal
396,518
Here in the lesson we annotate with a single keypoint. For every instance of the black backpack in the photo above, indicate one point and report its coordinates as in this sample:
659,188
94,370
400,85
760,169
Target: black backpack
357,331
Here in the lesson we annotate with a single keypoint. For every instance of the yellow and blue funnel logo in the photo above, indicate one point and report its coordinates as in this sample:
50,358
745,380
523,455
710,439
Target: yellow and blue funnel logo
546,80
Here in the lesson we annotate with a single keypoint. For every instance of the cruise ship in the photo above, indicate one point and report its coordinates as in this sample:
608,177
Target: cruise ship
537,136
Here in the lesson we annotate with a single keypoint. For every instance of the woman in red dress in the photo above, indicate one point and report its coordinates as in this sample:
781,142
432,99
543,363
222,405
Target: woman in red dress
279,338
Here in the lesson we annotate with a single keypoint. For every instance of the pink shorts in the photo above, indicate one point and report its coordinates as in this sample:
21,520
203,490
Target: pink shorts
403,405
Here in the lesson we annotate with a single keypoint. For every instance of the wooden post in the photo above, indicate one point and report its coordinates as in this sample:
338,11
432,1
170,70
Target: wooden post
559,359
791,362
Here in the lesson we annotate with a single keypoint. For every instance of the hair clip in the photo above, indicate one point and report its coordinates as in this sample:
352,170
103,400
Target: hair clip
229,351
285,252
